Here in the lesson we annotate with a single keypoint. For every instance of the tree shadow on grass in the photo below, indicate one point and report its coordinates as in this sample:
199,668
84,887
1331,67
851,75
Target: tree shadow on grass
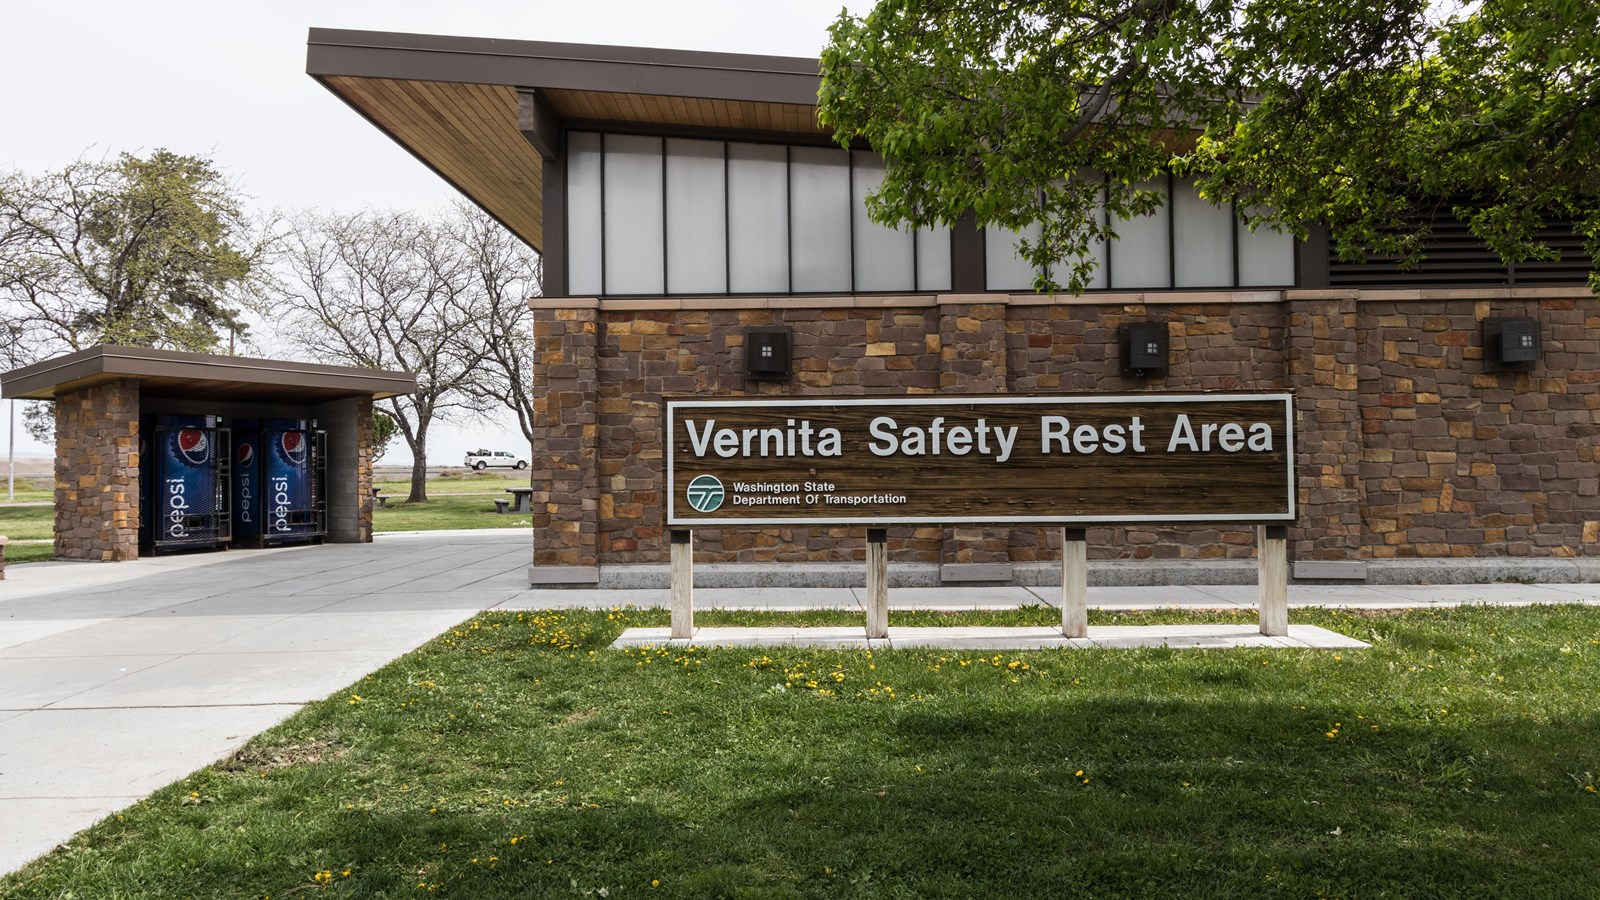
1214,799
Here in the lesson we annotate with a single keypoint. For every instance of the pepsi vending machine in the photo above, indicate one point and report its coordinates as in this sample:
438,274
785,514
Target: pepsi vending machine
183,483
278,486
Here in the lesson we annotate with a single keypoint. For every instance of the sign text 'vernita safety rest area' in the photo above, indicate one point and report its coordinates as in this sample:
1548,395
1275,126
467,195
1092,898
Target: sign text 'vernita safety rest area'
880,461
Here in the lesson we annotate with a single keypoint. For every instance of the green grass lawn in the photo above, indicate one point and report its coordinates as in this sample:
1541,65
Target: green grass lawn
444,512
29,490
27,553
464,481
516,756
24,523
28,523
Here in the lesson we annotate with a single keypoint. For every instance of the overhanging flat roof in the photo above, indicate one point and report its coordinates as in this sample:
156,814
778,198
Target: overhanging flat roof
472,109
202,376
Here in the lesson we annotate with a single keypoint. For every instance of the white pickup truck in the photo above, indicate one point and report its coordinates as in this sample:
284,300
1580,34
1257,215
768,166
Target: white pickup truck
484,459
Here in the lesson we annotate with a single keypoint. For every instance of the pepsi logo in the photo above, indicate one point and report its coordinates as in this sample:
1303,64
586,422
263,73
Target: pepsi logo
293,444
247,454
193,446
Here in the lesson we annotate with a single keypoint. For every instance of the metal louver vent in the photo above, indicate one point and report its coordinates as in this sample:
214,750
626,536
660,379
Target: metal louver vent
1455,257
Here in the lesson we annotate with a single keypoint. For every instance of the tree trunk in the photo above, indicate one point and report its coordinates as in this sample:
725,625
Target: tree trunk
419,470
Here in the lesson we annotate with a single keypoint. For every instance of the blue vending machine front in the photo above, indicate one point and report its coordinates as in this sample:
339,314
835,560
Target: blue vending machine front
278,492
183,484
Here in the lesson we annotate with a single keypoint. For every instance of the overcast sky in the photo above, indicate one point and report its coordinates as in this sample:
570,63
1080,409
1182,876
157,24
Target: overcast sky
228,80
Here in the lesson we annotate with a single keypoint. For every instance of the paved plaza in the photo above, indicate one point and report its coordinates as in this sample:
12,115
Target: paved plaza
117,679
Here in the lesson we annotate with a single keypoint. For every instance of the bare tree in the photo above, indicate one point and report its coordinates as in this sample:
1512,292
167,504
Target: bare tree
508,274
389,291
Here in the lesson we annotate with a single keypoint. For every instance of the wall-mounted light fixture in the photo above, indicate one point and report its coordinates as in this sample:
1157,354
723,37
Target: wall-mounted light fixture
1144,349
1510,344
768,352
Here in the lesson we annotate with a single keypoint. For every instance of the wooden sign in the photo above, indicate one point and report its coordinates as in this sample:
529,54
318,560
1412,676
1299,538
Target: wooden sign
1063,460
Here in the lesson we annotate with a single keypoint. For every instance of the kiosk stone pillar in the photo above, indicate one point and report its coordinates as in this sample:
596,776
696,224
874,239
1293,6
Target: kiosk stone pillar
97,472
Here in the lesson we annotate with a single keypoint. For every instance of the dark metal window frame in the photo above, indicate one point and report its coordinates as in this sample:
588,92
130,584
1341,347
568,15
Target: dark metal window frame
1172,252
727,230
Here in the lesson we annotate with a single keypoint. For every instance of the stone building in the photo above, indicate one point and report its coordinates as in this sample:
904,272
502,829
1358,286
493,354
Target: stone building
101,393
682,198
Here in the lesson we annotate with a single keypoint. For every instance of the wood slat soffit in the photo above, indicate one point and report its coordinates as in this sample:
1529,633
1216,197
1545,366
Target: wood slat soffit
467,133
455,103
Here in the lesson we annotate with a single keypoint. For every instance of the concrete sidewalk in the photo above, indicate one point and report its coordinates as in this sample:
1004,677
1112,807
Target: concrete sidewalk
118,679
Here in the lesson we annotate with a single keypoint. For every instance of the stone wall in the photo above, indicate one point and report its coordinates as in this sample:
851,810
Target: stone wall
97,473
1406,446
565,472
1462,462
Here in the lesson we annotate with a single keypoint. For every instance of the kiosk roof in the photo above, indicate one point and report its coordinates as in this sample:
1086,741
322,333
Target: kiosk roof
163,373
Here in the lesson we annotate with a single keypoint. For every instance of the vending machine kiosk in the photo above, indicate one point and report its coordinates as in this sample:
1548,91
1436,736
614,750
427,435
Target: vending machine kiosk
279,494
183,483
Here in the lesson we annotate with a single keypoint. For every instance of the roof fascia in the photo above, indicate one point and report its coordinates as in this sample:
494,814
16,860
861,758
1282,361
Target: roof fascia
40,380
580,67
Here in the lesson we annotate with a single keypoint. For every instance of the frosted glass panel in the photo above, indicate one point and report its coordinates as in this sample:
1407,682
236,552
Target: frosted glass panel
1004,269
697,218
583,214
758,219
1097,249
1266,257
883,255
635,242
1139,256
933,259
1202,238
819,191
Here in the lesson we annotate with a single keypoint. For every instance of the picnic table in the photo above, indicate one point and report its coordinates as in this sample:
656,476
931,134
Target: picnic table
521,499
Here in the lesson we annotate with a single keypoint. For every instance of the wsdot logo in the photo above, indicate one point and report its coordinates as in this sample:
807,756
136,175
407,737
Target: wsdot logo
705,493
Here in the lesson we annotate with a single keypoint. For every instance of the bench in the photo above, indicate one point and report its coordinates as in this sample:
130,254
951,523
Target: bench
501,506
381,499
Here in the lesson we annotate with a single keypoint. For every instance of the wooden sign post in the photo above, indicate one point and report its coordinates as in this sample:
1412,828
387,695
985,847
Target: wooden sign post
1272,574
1074,582
877,582
682,583
1068,461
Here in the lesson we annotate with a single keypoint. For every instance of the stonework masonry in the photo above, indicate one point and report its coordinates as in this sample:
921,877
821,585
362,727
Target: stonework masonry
1406,446
363,475
97,473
